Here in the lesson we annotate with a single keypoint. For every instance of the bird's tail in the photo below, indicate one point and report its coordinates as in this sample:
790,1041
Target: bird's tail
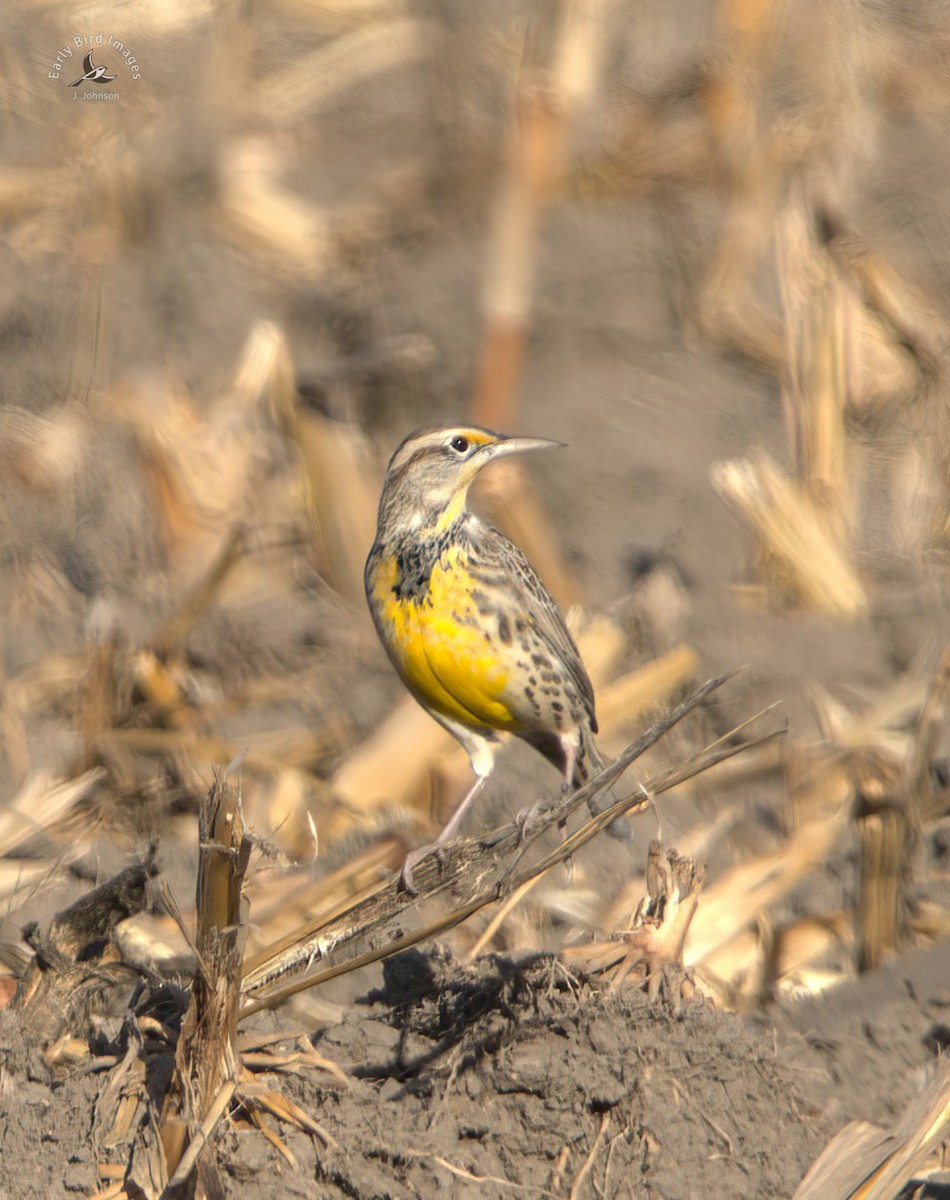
590,761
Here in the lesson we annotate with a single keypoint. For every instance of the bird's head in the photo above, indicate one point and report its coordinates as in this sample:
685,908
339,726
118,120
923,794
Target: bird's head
429,475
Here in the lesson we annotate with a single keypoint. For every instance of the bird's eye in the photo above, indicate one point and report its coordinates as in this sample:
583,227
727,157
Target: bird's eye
459,443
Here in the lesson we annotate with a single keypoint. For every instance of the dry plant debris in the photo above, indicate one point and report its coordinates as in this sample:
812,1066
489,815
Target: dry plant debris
865,1162
651,949
263,485
210,1074
466,875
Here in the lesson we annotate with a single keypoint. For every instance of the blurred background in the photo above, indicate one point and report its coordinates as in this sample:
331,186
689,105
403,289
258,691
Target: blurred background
706,245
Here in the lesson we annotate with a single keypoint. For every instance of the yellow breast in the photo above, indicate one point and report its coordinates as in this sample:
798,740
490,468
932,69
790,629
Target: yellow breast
438,643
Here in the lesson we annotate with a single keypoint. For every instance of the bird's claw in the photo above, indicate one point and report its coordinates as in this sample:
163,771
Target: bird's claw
406,883
528,820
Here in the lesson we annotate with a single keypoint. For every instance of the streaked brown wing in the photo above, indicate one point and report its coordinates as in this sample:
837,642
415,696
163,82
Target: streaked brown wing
507,570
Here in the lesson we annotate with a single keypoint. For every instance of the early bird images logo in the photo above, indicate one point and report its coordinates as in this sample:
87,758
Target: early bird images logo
93,74
93,84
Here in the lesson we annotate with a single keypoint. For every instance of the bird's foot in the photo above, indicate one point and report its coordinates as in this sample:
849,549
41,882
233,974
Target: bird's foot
406,882
530,820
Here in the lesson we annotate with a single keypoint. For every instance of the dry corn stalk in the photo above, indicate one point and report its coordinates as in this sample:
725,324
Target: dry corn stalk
54,681
626,699
263,215
17,877
264,376
194,606
393,764
819,784
334,457
653,945
287,901
42,801
864,1162
792,535
882,763
894,795
912,316
335,461
738,897
887,835
267,753
799,952
297,91
161,689
557,73
816,306
751,157
202,466
206,1058
342,497
878,720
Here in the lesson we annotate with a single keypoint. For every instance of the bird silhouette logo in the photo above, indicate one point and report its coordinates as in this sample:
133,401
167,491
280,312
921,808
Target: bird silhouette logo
93,74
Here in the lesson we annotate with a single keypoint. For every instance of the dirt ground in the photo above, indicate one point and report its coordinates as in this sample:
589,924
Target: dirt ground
133,276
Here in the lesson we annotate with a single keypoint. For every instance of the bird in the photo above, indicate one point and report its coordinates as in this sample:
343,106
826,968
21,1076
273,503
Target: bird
93,74
465,620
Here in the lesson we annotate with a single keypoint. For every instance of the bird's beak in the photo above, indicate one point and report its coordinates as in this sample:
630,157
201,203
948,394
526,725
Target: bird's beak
518,445
497,449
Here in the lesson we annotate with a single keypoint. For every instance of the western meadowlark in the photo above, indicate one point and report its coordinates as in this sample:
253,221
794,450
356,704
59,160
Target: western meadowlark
469,626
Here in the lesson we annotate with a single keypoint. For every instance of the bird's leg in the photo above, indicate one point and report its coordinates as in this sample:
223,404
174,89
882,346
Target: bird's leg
451,828
571,748
527,818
